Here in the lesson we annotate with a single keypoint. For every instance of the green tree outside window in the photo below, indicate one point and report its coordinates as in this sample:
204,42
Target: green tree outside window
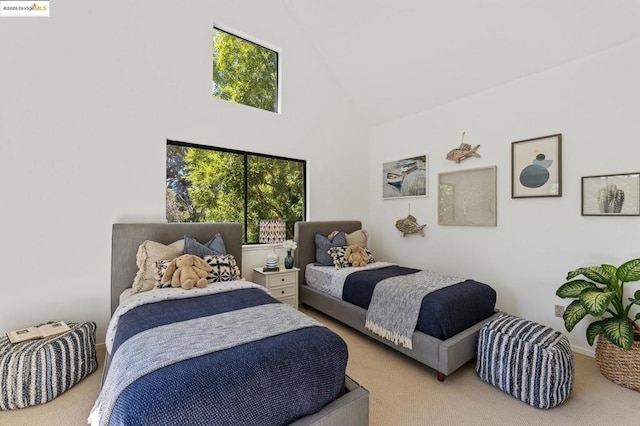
244,72
206,184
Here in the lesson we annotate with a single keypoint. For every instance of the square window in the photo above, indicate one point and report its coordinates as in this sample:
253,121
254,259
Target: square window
244,72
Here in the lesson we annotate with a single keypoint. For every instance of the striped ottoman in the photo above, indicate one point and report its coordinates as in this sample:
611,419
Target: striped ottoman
36,371
529,361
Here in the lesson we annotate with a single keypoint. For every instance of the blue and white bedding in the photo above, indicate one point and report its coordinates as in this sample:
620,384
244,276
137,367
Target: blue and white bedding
229,355
443,313
330,280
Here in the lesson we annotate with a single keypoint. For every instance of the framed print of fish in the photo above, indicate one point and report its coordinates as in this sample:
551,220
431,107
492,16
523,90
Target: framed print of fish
405,178
536,167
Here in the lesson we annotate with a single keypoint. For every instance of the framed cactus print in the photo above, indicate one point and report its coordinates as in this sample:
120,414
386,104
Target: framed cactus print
611,195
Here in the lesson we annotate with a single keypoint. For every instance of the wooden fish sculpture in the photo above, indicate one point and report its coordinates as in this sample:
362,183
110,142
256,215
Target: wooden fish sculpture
462,152
409,225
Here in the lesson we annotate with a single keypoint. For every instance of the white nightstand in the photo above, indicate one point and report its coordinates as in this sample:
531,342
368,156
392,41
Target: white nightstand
282,284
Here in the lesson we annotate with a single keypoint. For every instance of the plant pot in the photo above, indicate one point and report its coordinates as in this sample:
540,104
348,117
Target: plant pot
618,365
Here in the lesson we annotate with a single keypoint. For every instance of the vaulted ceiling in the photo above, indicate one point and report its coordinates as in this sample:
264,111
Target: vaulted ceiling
395,58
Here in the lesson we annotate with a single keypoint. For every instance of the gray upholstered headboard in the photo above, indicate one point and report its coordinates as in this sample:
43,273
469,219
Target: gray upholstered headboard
304,235
127,237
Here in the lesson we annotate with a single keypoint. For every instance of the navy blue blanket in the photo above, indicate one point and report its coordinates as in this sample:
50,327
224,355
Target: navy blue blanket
272,381
443,313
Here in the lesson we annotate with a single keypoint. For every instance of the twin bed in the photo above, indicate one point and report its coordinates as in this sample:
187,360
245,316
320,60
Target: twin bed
447,330
225,354
232,354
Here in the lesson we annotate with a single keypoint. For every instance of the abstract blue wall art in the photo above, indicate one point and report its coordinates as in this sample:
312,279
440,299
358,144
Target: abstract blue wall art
535,167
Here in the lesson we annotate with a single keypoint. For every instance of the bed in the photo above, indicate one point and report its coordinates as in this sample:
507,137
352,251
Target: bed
445,355
287,373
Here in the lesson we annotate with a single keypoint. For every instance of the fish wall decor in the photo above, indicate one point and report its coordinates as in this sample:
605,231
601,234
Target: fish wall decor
462,152
409,225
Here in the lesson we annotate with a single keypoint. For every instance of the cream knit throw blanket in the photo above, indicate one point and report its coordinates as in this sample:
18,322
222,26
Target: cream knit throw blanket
395,304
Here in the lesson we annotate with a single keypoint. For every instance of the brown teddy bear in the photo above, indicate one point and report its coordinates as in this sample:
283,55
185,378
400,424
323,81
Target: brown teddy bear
186,271
356,255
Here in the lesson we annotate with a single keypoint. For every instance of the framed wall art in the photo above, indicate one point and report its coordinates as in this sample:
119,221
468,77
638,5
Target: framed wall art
536,167
611,195
467,197
405,178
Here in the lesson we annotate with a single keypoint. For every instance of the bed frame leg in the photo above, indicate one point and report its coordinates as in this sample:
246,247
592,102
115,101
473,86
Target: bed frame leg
441,377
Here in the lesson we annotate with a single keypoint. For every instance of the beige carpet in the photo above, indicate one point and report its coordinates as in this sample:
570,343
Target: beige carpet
405,393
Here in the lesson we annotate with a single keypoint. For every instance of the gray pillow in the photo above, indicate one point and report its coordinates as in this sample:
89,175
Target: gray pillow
323,244
214,247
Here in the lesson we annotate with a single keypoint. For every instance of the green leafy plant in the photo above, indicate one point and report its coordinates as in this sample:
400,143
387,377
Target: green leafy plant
603,297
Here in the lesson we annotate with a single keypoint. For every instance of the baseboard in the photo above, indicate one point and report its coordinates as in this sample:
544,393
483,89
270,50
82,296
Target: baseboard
588,352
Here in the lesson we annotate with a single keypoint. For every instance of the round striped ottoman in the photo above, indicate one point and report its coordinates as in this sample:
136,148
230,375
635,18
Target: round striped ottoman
529,361
36,371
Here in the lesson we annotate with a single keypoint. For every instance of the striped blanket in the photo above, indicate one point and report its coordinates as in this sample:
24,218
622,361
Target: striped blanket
234,357
131,302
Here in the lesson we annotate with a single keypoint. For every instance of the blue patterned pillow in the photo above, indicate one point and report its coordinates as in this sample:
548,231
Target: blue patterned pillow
340,261
160,267
224,267
323,244
213,247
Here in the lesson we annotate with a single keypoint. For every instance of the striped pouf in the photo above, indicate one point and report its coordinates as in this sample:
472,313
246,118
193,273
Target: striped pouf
529,361
36,371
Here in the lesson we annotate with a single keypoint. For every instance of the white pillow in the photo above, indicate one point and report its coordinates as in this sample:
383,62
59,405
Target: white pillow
358,237
150,252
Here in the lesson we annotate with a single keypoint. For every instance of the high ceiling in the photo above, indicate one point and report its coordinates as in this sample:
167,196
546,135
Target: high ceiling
398,57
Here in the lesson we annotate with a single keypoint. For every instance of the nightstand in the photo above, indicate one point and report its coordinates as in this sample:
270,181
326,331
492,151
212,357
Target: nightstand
282,284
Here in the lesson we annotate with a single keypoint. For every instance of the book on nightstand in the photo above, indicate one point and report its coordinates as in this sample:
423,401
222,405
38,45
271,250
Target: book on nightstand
45,330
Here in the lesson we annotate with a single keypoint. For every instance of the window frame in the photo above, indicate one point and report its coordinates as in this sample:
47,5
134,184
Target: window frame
245,155
254,40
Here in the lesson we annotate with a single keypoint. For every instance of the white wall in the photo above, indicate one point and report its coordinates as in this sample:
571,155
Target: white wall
88,98
593,102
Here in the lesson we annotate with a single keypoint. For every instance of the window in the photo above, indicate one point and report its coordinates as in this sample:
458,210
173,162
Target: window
244,72
206,184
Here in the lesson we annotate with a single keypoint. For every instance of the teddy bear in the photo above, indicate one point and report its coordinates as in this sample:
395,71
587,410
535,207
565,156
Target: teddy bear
356,255
186,271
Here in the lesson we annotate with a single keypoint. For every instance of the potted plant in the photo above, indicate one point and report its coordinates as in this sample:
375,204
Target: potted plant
601,295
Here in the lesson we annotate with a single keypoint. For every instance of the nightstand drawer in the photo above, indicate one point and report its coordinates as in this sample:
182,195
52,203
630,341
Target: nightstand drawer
281,279
290,300
282,284
281,291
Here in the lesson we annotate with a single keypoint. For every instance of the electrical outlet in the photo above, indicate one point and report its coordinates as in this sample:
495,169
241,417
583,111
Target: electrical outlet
559,310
